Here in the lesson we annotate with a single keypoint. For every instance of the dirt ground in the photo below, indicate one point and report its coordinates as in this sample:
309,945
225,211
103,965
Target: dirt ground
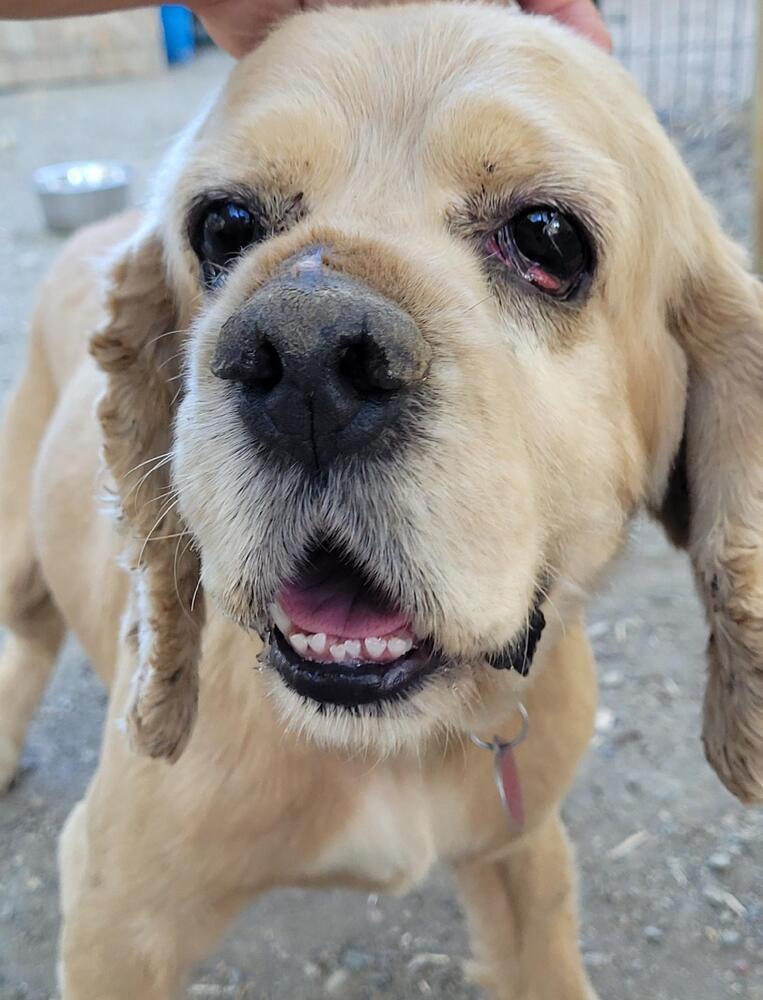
671,867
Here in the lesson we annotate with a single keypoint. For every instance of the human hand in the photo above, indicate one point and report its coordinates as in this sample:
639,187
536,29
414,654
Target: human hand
238,25
581,15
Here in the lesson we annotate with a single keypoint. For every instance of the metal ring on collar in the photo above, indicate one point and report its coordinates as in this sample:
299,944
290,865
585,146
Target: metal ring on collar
497,744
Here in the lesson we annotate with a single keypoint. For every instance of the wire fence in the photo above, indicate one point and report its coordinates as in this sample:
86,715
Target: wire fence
692,58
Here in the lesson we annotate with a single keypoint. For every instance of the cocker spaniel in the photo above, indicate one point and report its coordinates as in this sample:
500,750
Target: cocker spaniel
424,310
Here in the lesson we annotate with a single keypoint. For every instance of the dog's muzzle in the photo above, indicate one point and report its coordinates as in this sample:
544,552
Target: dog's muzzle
324,367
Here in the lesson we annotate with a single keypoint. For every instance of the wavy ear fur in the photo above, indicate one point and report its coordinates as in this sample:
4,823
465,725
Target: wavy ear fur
714,503
137,347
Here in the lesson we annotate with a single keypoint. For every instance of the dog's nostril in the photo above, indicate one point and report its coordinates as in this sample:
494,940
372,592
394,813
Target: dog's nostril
257,368
364,366
265,368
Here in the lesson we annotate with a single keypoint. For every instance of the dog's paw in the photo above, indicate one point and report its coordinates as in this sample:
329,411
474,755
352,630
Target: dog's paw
9,762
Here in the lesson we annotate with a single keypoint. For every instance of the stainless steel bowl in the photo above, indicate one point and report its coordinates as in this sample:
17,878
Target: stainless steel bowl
74,194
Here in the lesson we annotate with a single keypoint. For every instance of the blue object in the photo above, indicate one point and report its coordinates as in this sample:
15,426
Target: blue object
177,24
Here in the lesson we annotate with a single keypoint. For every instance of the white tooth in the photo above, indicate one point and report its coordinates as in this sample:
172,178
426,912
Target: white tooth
317,642
280,618
338,652
353,648
299,642
376,647
398,647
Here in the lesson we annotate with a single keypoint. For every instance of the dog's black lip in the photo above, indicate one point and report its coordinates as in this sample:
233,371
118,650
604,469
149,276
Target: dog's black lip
518,654
355,684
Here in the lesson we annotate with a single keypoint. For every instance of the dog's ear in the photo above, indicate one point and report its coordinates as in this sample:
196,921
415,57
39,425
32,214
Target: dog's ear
139,347
714,502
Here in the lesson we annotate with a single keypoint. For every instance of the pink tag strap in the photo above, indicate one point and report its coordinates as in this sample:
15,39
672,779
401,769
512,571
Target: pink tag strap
510,786
507,778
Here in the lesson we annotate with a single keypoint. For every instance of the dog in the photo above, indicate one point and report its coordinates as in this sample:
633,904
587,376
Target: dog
424,309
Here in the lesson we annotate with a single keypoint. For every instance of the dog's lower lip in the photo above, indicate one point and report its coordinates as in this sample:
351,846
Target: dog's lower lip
351,684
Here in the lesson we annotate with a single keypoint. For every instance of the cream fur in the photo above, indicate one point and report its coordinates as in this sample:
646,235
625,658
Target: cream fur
550,426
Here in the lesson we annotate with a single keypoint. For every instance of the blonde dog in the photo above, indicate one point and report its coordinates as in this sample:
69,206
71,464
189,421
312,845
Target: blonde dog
424,310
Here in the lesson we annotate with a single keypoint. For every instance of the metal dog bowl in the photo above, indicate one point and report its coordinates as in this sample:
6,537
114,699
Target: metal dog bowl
74,194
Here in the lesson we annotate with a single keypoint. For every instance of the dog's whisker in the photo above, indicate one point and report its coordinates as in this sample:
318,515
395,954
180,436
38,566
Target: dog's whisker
148,461
187,612
543,591
159,463
527,636
476,305
170,359
161,496
158,521
175,534
195,593
161,336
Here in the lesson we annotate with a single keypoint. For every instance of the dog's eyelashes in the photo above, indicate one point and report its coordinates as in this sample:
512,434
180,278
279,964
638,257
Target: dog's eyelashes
545,247
212,274
223,233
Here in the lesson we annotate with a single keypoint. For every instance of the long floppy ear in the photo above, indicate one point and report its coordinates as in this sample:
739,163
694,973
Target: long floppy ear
138,348
714,503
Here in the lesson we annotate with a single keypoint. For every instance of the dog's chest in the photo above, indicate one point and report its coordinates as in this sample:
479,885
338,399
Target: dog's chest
398,827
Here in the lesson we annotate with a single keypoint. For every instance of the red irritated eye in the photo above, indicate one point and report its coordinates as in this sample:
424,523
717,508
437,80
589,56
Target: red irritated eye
546,248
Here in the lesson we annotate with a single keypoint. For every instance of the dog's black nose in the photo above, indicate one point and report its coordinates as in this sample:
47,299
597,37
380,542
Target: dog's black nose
323,364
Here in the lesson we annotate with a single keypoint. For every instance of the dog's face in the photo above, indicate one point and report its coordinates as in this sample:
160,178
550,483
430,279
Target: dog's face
436,263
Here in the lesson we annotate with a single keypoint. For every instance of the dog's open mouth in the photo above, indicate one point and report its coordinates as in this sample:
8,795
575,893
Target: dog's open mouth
339,640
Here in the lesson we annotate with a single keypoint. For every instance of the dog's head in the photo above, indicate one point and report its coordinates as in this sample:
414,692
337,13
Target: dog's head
426,309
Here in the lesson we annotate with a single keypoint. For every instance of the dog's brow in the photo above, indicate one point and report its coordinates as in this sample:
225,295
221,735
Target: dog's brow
501,145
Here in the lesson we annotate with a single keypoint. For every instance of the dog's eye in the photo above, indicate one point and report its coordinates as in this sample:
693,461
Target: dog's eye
223,233
545,247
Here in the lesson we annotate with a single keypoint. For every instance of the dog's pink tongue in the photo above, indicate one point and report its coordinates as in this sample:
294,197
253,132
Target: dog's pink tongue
337,605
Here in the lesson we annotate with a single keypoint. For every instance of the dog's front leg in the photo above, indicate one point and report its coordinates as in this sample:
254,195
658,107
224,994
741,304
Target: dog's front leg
149,881
127,938
522,915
